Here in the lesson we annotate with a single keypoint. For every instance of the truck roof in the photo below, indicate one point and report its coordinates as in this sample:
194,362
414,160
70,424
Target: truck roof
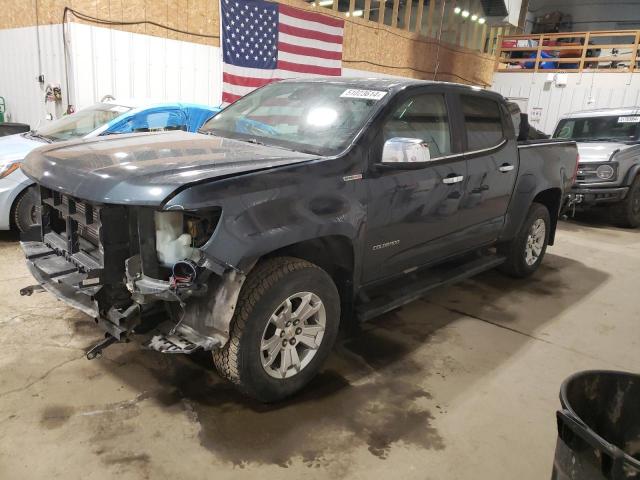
604,112
385,83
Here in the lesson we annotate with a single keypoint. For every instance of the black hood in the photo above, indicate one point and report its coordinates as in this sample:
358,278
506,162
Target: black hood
143,169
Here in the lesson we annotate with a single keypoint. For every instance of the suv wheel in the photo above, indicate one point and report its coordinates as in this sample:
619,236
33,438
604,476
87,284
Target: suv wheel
525,252
284,326
627,212
26,210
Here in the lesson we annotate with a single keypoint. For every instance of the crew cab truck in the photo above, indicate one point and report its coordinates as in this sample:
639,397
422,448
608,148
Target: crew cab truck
609,169
301,204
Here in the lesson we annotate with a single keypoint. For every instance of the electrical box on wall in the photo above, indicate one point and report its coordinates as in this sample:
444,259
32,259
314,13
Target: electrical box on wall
561,79
535,115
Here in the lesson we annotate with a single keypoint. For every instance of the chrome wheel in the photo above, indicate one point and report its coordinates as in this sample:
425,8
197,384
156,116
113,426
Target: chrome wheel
293,335
535,242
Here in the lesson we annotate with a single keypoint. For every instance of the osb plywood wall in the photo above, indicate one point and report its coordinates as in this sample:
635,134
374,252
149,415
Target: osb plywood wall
367,45
197,16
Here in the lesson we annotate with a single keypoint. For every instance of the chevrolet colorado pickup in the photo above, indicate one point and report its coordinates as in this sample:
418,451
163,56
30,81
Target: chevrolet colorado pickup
608,176
301,204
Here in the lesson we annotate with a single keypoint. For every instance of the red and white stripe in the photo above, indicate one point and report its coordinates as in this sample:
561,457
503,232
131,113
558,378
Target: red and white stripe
309,44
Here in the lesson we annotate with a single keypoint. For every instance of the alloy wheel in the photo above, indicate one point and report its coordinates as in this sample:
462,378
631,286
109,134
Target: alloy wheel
535,242
293,335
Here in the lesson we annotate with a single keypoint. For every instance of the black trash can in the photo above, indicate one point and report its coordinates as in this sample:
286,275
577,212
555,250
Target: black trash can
598,427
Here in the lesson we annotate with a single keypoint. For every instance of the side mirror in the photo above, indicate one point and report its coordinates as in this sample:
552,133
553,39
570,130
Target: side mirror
400,152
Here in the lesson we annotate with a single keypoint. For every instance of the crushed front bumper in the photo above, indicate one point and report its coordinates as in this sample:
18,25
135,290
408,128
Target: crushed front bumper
585,196
67,282
99,260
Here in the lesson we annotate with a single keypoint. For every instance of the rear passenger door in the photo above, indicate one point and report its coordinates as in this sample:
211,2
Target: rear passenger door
413,214
490,150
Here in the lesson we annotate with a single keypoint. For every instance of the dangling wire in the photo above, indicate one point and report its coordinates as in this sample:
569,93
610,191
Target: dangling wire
437,67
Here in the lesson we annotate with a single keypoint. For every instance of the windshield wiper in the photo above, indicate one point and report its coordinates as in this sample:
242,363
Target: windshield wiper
34,134
252,140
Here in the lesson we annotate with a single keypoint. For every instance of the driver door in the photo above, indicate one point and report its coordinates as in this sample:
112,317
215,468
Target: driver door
413,214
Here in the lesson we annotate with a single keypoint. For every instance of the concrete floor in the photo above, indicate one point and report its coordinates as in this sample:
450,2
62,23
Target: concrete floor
462,384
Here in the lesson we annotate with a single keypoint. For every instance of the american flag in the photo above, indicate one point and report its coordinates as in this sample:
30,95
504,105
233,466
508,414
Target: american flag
264,41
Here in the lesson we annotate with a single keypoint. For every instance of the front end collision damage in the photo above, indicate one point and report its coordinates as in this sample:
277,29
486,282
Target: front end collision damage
200,312
200,308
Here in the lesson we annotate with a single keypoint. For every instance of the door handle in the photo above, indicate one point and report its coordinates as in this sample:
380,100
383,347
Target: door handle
506,167
453,179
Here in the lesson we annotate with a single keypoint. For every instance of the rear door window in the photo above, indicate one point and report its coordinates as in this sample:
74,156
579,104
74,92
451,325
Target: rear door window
483,122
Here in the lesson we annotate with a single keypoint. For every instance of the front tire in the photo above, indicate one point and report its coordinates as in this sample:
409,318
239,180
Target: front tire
627,213
26,209
525,252
284,326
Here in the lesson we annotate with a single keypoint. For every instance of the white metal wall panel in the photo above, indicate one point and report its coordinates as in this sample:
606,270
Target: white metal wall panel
18,78
583,91
131,65
103,61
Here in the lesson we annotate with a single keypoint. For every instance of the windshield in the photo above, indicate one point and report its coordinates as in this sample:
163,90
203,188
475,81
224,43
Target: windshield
317,118
81,123
623,128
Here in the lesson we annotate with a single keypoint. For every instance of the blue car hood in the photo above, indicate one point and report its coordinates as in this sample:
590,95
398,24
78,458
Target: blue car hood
143,168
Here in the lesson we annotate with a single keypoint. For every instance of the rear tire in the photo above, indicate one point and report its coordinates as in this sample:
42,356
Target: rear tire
525,252
26,209
287,306
627,213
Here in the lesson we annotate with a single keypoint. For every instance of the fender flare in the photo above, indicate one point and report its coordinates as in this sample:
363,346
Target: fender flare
631,174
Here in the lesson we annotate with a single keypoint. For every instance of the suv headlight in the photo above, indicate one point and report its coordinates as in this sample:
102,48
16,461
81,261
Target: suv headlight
605,172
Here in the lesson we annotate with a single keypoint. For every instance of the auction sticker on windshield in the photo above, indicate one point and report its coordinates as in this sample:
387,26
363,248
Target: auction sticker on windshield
629,119
363,94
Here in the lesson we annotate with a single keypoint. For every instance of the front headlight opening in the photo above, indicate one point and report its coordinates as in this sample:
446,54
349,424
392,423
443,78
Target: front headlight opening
179,234
605,172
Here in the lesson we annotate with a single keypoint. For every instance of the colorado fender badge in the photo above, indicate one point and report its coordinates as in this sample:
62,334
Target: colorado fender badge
350,178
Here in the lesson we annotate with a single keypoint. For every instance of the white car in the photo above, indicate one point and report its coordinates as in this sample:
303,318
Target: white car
18,202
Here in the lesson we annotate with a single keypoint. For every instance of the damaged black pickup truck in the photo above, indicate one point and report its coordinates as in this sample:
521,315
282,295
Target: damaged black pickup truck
303,203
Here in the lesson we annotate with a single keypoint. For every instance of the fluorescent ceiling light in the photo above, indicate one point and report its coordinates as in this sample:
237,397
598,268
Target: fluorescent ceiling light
325,3
357,13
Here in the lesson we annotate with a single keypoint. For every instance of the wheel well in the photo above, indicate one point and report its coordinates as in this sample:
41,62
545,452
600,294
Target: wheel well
551,199
334,254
